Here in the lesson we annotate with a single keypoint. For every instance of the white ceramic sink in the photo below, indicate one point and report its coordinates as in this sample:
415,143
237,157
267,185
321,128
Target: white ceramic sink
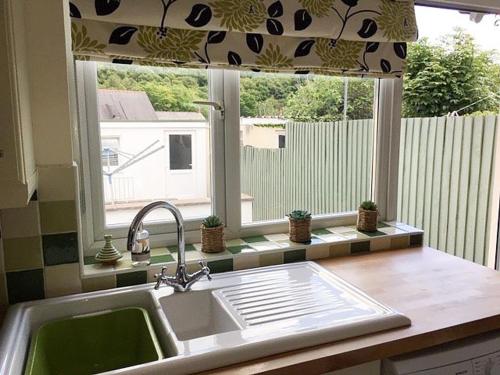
236,317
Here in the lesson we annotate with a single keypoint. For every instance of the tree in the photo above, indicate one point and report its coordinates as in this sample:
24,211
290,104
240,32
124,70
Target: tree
450,76
320,99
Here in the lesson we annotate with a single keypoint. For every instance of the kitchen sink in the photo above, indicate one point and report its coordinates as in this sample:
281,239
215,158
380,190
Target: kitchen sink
238,316
94,343
196,314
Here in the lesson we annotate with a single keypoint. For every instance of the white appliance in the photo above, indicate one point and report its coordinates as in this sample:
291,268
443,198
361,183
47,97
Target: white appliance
479,355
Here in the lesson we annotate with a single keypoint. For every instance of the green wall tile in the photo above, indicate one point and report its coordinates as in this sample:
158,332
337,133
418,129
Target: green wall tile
270,259
131,278
238,248
60,248
218,266
294,256
187,247
57,217
321,231
23,253
372,234
417,239
90,260
162,259
360,247
25,285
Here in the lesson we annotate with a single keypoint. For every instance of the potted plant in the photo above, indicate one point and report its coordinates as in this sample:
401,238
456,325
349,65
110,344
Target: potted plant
367,217
299,223
212,235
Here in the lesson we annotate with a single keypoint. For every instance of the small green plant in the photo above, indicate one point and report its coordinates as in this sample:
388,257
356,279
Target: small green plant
299,215
212,222
369,206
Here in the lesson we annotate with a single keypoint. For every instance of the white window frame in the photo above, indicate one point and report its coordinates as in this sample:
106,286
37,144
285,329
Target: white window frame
225,167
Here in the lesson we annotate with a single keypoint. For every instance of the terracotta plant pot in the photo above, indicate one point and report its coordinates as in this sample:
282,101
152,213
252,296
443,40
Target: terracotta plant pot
212,239
367,220
300,230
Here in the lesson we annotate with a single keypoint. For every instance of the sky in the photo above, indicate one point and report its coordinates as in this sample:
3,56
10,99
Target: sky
434,23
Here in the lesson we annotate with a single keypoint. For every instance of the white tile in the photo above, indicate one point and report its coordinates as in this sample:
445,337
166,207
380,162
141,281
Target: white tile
330,238
277,237
392,230
56,183
21,222
62,280
264,246
235,242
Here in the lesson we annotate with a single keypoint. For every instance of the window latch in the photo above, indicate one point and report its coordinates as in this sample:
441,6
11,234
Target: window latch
215,105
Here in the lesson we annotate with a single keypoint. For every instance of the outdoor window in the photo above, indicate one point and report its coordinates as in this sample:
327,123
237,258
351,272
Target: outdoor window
180,152
284,142
326,167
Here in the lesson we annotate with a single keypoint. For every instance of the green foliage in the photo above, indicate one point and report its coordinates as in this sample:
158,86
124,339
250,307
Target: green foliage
369,206
299,215
440,79
212,222
444,78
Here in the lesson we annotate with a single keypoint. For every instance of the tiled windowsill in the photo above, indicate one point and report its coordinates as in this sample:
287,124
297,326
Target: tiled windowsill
260,251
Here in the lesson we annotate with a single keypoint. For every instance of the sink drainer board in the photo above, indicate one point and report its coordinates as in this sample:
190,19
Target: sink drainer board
298,292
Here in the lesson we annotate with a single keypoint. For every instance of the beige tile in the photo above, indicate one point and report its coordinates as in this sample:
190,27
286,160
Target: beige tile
58,217
277,237
56,184
340,250
96,269
62,280
401,242
317,252
246,260
23,253
354,236
99,283
270,259
383,243
341,229
21,222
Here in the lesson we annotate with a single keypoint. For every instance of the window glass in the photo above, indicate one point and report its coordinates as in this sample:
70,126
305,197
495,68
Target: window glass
180,151
109,152
149,128
306,143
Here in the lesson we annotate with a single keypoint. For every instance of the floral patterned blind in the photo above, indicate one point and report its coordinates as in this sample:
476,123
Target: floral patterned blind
331,37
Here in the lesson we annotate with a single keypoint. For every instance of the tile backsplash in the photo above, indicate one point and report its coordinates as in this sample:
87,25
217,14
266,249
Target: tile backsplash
40,241
41,260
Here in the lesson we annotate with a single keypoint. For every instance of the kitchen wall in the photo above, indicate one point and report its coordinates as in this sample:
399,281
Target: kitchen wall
40,254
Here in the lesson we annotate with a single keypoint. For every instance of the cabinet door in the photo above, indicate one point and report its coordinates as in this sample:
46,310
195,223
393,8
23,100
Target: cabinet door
17,163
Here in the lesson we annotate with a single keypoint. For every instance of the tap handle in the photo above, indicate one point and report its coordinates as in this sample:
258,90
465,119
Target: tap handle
163,273
205,268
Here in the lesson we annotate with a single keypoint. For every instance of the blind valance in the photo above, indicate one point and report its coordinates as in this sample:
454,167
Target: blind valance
347,37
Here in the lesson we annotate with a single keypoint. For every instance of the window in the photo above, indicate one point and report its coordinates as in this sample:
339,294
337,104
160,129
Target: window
284,142
109,152
180,152
326,167
281,141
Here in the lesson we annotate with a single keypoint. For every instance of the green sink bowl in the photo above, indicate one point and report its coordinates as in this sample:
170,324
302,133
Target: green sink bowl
91,344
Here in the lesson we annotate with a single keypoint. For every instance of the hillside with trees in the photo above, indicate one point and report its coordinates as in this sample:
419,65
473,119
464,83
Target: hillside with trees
441,78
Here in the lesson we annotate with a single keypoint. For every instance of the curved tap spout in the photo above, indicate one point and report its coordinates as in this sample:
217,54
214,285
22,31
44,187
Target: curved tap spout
182,280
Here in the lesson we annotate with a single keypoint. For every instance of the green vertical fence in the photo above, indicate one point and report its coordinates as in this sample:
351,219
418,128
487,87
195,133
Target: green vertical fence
445,181
445,176
324,168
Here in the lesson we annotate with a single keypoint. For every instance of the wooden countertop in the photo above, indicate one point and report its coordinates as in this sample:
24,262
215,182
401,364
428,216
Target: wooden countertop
446,298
